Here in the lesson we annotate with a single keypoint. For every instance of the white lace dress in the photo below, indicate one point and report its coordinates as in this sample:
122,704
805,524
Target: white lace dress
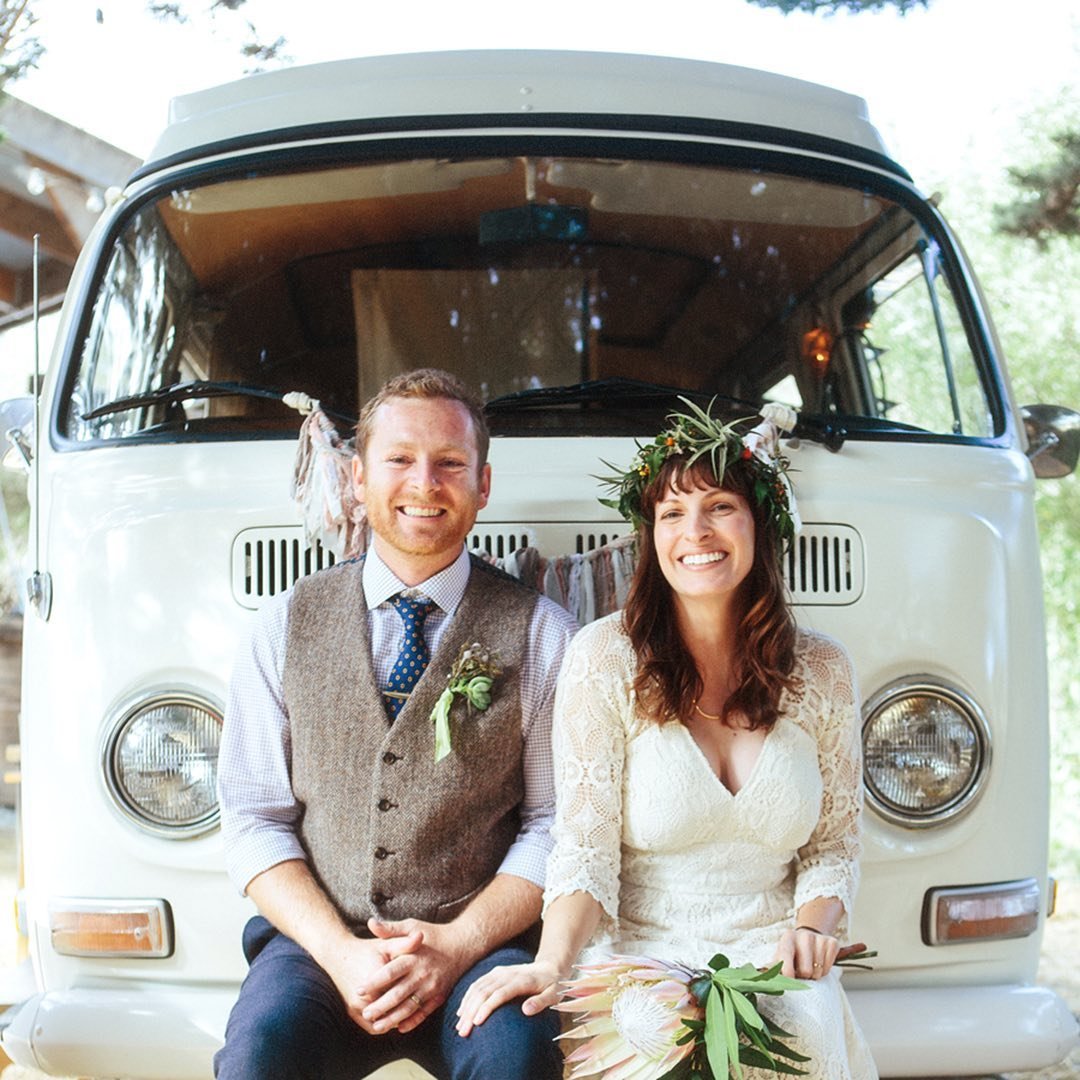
682,868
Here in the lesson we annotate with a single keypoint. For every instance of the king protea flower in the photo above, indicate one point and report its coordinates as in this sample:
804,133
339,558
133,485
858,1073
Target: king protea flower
633,1011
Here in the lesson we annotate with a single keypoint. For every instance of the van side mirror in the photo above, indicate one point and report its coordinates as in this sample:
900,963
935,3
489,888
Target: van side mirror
1053,434
16,424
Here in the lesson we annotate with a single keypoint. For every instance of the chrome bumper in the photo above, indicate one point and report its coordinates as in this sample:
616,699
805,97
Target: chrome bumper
964,1030
151,1033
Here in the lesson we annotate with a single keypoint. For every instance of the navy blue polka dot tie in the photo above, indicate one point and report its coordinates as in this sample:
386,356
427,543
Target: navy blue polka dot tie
413,657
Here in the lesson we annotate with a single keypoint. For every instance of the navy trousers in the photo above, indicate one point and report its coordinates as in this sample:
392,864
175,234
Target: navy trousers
290,1023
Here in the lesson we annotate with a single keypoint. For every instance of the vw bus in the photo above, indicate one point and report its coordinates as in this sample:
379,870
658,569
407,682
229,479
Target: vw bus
583,238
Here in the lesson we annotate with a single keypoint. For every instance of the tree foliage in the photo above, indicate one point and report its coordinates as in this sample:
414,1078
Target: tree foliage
831,7
1048,201
255,49
20,50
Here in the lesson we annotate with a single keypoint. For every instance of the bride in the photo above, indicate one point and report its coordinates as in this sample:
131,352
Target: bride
707,754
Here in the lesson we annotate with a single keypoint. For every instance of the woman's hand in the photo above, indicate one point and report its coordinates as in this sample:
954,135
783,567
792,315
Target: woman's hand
537,982
806,953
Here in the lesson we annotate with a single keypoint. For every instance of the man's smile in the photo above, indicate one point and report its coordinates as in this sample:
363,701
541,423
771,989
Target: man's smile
422,511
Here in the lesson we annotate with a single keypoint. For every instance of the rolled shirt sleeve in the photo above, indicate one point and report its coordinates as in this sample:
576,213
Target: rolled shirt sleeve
549,634
258,808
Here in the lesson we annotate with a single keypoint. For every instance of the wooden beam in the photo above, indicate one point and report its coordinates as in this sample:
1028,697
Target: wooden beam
17,286
8,285
24,219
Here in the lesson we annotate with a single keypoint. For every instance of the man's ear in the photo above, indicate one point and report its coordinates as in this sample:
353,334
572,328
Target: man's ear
358,477
485,485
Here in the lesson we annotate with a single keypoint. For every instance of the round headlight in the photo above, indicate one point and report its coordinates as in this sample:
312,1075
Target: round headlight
161,764
926,749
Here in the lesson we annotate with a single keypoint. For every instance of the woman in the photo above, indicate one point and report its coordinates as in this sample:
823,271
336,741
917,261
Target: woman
707,754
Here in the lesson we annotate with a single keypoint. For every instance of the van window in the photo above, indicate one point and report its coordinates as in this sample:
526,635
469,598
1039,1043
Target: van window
579,294
912,343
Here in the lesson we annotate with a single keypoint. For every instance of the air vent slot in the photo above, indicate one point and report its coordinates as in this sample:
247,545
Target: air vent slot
266,562
824,565
499,542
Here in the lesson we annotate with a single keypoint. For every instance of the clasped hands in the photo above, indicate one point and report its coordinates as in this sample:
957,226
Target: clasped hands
398,978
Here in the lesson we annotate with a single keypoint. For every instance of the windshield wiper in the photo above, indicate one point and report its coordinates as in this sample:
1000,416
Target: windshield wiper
617,389
166,395
833,431
197,388
828,432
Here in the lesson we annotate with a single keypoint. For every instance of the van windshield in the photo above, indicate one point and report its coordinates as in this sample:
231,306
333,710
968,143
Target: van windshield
578,295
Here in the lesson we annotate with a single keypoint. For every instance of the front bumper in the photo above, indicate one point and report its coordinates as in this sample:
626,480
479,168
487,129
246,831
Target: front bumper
964,1030
149,1033
154,1034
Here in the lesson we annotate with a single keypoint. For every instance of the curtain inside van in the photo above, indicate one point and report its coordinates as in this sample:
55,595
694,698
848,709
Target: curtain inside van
498,330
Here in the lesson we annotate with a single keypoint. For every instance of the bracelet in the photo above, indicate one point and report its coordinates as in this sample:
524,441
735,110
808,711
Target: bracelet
813,930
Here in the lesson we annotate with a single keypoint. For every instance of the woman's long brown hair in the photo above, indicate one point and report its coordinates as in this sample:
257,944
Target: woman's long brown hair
667,680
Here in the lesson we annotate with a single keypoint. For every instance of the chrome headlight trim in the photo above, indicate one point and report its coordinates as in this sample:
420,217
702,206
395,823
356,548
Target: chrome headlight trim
927,686
111,765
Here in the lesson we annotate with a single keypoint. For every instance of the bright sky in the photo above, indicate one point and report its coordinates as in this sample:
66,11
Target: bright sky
940,83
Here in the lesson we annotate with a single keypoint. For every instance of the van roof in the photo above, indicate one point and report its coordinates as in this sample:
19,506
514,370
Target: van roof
494,85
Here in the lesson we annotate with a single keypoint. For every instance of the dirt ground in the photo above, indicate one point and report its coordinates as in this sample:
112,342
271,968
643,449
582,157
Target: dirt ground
1059,969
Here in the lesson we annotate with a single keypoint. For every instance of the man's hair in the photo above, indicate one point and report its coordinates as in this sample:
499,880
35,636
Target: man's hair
430,384
667,680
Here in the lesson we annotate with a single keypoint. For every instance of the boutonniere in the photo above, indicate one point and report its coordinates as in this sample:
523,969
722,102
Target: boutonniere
472,677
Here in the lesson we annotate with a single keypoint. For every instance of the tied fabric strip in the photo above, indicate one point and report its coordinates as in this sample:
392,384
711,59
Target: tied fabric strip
413,658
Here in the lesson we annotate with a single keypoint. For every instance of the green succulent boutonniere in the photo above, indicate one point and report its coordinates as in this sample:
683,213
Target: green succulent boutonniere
472,677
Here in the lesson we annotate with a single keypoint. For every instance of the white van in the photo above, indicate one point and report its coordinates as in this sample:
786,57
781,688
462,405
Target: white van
583,238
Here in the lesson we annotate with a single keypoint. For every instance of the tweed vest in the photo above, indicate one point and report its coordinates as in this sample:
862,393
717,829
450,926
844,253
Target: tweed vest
388,832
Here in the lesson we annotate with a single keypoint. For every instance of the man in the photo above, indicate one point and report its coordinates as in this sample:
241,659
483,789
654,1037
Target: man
387,880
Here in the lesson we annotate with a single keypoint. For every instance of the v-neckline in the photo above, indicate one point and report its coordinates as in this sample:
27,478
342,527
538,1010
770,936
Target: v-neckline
712,772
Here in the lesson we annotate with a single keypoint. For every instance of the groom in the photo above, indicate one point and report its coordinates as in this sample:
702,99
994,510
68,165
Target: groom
386,880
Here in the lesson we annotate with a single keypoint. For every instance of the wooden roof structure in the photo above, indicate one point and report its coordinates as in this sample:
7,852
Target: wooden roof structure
54,182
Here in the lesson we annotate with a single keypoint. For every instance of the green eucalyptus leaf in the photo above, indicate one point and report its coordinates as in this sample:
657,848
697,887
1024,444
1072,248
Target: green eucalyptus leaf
775,1030
788,1070
758,1060
731,1034
716,1047
747,1013
760,1039
769,973
780,1049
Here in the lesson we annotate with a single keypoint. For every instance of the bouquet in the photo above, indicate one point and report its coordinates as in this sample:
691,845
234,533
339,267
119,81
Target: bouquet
645,1019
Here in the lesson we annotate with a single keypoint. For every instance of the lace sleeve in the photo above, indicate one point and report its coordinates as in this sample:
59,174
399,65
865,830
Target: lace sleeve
591,706
829,863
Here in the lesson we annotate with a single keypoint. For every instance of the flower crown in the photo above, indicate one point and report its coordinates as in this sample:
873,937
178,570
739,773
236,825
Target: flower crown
694,434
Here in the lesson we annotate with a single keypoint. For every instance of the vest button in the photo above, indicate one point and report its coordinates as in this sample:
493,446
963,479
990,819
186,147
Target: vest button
385,804
378,898
390,757
381,853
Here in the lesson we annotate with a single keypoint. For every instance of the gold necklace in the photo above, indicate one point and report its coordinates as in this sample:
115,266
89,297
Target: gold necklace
708,716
